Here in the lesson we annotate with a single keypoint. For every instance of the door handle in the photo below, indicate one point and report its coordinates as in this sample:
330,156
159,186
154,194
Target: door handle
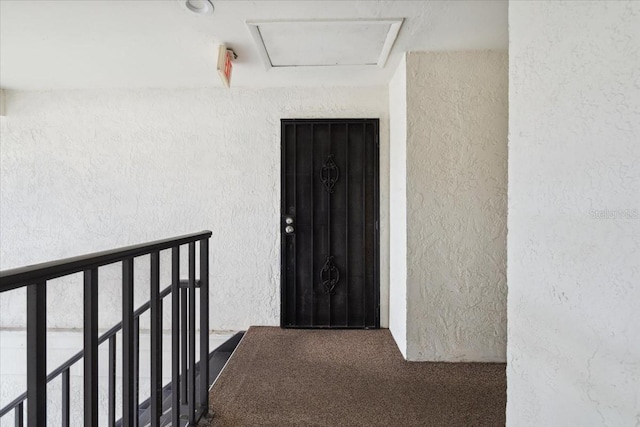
288,229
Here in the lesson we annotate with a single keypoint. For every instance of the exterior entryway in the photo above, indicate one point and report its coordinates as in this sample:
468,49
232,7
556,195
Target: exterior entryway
330,223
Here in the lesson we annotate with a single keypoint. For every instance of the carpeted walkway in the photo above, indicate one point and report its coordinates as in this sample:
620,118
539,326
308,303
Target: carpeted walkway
292,377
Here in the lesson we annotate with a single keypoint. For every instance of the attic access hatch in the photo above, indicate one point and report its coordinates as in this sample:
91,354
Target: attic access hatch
324,43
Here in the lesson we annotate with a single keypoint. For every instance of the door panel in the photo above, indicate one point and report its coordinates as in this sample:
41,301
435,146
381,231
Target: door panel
330,255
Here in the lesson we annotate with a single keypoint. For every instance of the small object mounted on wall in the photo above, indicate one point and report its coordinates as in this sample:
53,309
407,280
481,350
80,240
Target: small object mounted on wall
225,66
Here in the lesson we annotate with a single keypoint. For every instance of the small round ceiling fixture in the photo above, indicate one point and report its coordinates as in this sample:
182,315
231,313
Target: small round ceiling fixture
201,7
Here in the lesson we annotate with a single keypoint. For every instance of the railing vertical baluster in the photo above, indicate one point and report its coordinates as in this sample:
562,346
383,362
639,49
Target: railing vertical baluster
204,326
161,406
37,354
91,347
127,344
192,333
65,398
175,336
156,341
19,415
136,370
183,345
111,421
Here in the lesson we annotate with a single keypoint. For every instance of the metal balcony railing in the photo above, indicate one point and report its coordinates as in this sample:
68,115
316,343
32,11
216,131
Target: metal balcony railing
189,395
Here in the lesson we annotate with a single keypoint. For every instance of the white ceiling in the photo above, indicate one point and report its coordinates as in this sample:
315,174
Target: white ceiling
68,44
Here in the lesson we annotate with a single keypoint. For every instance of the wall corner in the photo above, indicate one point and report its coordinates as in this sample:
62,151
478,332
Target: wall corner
3,103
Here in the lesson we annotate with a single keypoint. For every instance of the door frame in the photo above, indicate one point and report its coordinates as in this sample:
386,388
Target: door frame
376,210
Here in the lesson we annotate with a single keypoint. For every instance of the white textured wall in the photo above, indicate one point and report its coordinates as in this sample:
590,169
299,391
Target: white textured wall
82,171
456,205
574,227
398,206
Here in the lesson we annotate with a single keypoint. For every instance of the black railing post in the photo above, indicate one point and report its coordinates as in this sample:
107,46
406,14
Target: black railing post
37,354
156,341
204,326
128,410
19,415
192,334
175,336
66,418
184,333
111,420
136,370
91,347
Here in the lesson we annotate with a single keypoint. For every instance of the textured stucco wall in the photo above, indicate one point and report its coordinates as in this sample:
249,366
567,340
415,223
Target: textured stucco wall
82,171
574,227
456,205
398,206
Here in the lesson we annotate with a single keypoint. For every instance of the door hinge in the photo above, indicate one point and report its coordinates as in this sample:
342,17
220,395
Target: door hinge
376,224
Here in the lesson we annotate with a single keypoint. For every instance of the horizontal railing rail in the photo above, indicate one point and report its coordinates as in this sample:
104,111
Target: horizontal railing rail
185,405
18,277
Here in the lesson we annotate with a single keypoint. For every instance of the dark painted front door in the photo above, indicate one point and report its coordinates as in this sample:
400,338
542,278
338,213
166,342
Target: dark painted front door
329,223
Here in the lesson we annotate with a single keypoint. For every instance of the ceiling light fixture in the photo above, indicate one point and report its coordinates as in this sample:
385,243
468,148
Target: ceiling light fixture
201,7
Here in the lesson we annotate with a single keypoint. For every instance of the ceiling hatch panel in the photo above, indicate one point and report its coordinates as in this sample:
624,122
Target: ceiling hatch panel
324,43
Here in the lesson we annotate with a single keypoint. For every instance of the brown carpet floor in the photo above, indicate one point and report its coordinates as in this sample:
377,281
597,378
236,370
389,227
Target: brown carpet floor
293,377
